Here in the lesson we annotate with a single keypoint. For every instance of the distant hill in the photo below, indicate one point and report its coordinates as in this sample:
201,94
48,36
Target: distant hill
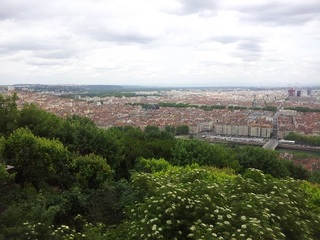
68,88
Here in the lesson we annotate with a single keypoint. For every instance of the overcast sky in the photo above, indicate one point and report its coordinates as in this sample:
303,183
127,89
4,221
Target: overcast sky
160,42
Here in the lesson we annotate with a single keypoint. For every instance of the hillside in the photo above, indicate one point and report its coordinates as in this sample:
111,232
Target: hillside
73,180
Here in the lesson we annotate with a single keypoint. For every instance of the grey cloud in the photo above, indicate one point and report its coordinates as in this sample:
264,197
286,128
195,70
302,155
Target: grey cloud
55,54
22,45
250,45
216,64
282,14
126,37
226,39
247,57
21,9
10,9
244,41
40,48
194,6
46,62
130,38
248,50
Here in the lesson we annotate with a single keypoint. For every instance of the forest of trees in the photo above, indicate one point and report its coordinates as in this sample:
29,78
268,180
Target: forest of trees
205,107
73,180
304,139
303,109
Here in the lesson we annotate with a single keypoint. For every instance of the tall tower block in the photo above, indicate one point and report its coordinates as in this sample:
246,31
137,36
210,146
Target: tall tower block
299,93
309,91
291,92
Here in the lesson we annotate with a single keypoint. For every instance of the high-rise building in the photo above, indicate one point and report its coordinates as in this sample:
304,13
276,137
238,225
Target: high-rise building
299,93
291,92
309,91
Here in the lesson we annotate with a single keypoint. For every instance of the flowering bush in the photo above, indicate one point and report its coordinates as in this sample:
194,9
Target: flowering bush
41,231
196,203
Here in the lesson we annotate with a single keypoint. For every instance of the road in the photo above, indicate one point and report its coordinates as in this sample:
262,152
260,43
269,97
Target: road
271,144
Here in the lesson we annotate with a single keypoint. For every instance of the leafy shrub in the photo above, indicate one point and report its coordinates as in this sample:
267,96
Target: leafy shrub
193,203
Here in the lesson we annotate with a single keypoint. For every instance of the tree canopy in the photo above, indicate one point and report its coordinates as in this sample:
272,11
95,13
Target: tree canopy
74,180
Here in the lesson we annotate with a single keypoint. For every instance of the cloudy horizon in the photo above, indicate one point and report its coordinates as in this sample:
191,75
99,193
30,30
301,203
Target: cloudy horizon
187,43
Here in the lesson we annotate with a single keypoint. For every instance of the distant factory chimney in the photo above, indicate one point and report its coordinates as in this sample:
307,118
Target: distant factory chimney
291,92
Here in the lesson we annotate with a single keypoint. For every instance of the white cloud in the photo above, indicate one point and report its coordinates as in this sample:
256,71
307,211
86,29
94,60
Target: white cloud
168,42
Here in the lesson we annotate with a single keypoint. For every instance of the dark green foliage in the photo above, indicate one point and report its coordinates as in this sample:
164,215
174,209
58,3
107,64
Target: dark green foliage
2,147
152,132
267,108
270,108
263,159
91,171
8,190
182,130
30,208
71,173
75,202
169,132
170,129
40,122
151,165
296,171
236,108
150,144
176,105
8,114
314,176
211,107
303,109
107,203
187,152
183,105
78,134
37,160
304,139
4,175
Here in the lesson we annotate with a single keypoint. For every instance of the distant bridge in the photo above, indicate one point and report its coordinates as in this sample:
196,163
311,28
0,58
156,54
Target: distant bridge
271,144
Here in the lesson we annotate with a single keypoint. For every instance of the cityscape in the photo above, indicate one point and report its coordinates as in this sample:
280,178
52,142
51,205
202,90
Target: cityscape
164,119
238,112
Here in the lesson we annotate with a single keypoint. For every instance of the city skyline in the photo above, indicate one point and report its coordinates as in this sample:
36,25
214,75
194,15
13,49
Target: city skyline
160,43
